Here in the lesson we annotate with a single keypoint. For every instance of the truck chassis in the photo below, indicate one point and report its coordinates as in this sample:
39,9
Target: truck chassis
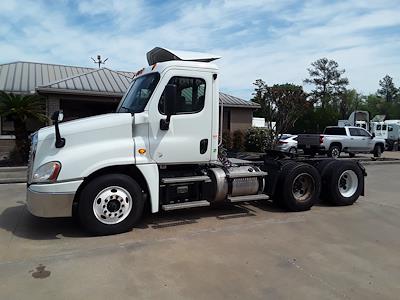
295,184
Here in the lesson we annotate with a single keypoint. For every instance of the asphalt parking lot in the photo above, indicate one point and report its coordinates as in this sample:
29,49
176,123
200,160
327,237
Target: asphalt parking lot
247,251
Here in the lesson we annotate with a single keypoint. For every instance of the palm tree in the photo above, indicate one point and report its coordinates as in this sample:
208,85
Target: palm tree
20,108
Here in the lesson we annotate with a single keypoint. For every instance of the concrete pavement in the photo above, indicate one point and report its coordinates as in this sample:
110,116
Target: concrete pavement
251,251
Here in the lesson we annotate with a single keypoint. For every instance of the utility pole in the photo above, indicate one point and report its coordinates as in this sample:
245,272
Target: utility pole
99,61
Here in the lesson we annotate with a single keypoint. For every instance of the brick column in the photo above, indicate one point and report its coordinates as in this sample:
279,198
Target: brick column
52,105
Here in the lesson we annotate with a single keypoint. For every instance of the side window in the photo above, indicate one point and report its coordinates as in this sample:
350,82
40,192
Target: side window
383,127
353,131
190,95
378,127
390,128
364,133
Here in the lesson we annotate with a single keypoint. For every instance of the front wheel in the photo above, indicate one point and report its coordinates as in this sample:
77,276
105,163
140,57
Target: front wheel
110,204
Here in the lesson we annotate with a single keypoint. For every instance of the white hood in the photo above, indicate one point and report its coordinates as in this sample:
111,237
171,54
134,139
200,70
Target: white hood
80,126
90,144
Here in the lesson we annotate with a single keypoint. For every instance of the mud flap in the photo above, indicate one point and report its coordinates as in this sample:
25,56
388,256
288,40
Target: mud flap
365,175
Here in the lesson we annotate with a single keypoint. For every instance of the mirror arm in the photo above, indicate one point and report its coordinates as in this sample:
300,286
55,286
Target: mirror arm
60,142
164,123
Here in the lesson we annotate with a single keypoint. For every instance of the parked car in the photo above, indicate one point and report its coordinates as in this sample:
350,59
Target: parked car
335,139
287,143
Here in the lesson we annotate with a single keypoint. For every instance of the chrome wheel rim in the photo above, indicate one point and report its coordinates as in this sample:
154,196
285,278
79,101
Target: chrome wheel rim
348,183
112,205
303,187
335,152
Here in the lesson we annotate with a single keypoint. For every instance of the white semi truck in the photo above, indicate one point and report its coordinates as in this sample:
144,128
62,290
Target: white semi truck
161,147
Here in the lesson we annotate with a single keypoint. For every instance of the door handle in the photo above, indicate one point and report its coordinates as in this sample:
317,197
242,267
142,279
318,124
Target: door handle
203,146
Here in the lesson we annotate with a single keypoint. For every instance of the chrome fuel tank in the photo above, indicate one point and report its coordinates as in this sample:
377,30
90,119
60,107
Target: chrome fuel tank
236,181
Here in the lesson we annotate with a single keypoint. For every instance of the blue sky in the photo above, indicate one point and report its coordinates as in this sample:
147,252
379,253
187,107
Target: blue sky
272,40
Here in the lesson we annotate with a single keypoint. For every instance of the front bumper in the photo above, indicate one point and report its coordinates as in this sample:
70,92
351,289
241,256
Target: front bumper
52,200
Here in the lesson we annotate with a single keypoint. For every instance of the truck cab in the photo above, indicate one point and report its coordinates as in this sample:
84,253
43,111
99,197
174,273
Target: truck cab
161,148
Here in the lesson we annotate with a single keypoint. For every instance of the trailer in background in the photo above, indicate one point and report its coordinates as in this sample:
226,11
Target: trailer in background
359,118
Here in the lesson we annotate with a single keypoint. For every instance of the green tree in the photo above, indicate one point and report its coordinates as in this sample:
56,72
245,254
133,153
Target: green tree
259,97
377,105
329,85
387,89
281,106
315,119
349,101
21,108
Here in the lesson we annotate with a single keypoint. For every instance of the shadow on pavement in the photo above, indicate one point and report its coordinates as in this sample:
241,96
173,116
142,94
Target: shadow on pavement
222,211
21,223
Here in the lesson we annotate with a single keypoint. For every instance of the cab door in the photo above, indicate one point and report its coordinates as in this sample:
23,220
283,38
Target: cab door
356,140
188,138
368,142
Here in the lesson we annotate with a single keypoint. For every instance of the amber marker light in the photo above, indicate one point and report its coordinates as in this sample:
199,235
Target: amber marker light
142,151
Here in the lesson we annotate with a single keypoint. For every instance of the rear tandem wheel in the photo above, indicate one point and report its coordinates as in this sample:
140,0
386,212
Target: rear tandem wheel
299,186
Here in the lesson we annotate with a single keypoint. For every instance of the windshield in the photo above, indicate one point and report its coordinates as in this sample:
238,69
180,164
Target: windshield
136,98
285,136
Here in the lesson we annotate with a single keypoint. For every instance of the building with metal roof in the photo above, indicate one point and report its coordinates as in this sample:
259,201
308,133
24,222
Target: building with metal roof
23,77
83,91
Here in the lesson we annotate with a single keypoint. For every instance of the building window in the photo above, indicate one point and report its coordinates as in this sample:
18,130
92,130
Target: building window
7,126
190,95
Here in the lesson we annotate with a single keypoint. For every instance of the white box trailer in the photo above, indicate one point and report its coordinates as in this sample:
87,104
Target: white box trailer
389,130
161,146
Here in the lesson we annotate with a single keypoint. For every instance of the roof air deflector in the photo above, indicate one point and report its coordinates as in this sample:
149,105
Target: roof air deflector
159,54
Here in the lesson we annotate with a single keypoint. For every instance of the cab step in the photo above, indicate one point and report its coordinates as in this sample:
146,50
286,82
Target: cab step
183,205
248,198
185,179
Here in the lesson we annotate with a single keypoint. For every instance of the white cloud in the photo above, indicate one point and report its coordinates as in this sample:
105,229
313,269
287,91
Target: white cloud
273,40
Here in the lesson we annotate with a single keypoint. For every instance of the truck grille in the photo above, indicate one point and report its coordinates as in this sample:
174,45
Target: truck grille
31,157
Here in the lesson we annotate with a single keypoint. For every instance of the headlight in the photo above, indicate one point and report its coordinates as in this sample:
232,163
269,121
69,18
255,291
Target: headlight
47,172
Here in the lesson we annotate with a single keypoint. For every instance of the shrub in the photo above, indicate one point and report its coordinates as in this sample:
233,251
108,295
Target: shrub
226,140
256,139
237,141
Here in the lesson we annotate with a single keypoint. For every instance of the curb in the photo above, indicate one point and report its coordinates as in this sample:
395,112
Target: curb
13,169
12,180
391,162
13,174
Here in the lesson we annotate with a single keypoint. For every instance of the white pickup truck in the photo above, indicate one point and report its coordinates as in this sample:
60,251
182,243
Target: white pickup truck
337,139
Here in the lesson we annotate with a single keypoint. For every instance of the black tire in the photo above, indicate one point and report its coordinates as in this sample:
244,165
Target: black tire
352,155
305,175
277,195
377,151
330,183
334,151
89,194
323,165
293,150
